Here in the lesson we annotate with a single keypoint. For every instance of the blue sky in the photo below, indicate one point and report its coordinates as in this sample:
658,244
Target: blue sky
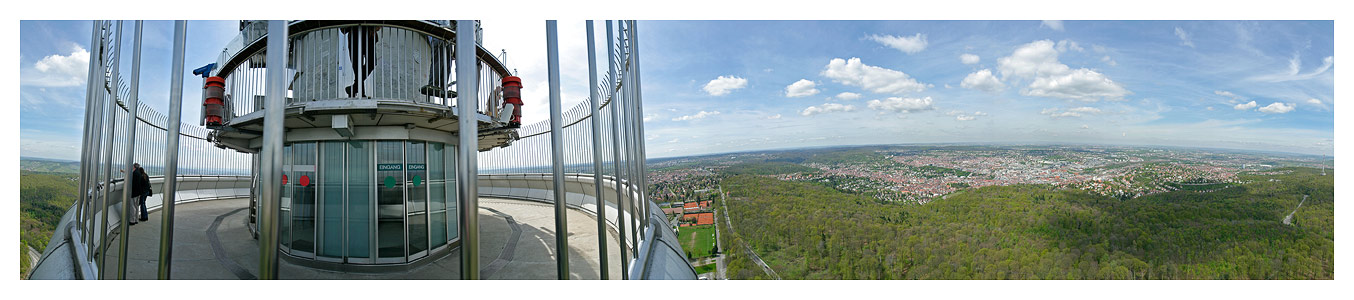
721,86
53,66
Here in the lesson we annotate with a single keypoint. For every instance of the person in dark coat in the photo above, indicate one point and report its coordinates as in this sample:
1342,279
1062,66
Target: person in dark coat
140,189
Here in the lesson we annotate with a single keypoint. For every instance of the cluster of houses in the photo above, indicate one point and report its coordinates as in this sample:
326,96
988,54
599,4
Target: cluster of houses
692,213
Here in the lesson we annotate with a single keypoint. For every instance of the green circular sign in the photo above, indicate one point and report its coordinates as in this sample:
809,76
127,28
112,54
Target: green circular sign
418,180
390,182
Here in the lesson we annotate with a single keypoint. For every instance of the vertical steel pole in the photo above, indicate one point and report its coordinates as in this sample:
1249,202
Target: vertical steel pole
557,151
99,117
621,202
639,121
108,156
467,85
86,131
131,152
273,131
596,98
172,149
630,128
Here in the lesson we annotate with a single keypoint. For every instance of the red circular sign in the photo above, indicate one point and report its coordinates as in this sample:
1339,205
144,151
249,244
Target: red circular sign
305,180
284,179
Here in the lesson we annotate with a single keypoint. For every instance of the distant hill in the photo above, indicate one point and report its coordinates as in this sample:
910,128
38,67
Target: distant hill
48,165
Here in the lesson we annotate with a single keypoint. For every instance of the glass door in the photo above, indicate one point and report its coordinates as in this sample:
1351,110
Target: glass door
390,202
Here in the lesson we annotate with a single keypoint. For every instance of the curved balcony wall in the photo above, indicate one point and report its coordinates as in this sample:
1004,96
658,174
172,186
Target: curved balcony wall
409,61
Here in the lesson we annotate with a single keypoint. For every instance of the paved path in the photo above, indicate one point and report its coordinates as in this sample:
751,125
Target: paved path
719,257
33,257
1289,219
755,258
211,241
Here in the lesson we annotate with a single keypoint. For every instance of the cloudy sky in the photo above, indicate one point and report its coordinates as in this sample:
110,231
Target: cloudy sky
722,86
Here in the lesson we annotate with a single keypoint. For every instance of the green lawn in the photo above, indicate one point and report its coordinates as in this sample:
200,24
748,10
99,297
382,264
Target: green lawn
707,268
700,245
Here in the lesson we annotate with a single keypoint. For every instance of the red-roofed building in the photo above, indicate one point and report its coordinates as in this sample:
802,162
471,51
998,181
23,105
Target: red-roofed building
700,218
705,218
690,206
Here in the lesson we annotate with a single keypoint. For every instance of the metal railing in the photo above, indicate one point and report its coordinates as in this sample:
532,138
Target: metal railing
111,136
611,153
596,141
384,61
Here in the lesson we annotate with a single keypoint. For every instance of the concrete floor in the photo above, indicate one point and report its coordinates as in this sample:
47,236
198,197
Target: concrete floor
525,253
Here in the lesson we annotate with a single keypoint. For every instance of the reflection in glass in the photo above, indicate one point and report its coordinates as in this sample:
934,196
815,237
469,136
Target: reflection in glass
453,213
416,171
359,199
284,226
331,187
437,202
390,199
303,197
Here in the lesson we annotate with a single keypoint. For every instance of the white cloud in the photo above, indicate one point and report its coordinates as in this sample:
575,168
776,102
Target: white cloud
724,85
1070,113
801,88
902,105
775,117
979,113
1233,98
1294,68
982,80
1245,106
1184,37
700,115
1085,109
909,45
650,117
827,108
1277,108
848,96
1080,84
1064,115
964,118
968,59
1052,24
1038,61
1065,45
875,79
60,70
954,112
1317,103
1109,61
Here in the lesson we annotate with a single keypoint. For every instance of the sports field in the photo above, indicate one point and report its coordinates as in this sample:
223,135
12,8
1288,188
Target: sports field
698,241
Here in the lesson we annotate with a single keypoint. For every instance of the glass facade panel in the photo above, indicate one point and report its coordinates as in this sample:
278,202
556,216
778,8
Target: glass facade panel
368,201
331,191
416,174
284,226
390,199
437,192
453,203
303,197
360,211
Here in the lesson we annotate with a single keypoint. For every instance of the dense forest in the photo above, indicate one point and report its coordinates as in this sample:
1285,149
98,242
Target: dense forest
810,231
43,198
